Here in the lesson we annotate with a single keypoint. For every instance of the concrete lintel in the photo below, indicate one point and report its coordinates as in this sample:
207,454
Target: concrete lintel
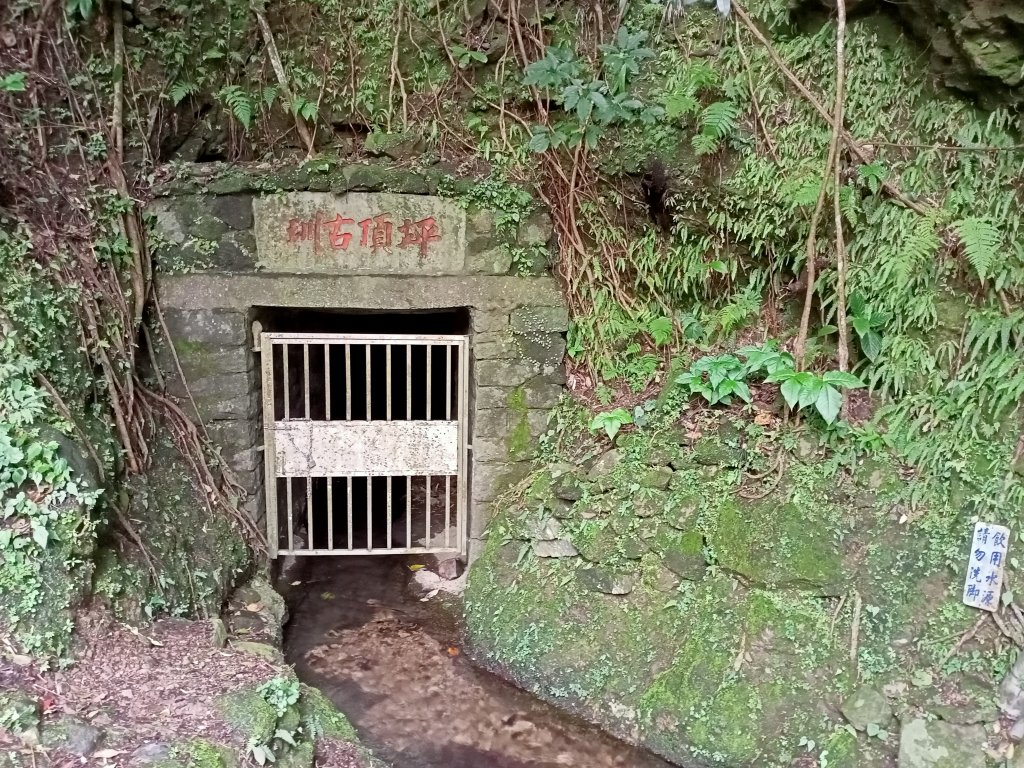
396,293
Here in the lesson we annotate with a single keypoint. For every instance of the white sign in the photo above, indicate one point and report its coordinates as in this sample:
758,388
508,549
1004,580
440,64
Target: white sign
985,565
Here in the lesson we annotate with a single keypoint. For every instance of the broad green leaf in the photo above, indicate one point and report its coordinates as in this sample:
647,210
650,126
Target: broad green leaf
791,391
810,388
743,391
842,379
871,345
828,403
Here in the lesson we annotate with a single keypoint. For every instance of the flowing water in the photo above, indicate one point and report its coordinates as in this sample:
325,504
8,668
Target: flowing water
392,663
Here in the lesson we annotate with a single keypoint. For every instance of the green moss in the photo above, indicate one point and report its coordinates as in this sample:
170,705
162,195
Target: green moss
320,716
519,439
249,714
201,753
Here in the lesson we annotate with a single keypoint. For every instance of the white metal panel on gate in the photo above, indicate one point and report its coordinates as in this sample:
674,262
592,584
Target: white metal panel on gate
364,443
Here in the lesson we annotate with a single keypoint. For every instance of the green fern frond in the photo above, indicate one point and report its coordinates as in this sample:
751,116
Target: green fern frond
239,102
180,90
980,240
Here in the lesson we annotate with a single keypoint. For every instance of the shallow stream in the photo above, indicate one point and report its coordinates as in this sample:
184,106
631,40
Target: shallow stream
392,663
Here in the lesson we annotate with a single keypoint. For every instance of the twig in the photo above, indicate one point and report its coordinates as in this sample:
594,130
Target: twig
835,616
967,635
116,119
855,627
282,78
753,96
838,117
396,74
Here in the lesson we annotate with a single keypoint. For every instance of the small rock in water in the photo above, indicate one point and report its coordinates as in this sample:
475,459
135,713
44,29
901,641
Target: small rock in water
555,548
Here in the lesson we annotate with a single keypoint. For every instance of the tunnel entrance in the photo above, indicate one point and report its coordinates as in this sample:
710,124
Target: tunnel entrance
365,431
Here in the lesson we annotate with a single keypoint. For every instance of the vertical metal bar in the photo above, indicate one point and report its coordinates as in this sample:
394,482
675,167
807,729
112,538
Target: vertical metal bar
428,511
348,382
305,376
288,497
269,451
327,385
287,388
447,510
430,349
408,386
369,513
387,368
448,382
367,382
389,508
460,490
309,512
349,503
408,512
330,513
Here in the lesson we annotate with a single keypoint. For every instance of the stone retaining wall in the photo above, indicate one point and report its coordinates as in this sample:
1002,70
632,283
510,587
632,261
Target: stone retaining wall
218,262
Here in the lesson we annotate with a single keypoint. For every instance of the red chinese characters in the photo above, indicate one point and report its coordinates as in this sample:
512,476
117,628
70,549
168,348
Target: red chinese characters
375,232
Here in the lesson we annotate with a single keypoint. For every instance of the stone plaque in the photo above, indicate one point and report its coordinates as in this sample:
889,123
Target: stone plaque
365,233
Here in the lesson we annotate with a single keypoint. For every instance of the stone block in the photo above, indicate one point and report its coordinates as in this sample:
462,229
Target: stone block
496,260
537,420
509,373
479,516
481,229
221,397
168,225
543,392
236,252
536,230
491,478
233,210
233,435
367,233
545,349
491,422
199,360
207,227
484,321
489,449
531,321
207,326
492,397
495,345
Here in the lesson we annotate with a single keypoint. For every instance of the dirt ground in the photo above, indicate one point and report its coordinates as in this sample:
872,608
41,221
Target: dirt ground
154,686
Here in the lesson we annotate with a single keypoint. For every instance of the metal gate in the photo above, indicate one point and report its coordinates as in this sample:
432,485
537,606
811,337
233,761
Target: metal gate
364,443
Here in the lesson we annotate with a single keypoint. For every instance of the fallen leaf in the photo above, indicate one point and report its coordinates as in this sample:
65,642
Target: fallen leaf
254,607
21,661
326,595
763,418
106,754
453,651
416,567
296,583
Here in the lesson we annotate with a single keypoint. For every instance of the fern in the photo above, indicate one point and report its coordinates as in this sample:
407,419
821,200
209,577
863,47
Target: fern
180,90
239,103
717,121
980,240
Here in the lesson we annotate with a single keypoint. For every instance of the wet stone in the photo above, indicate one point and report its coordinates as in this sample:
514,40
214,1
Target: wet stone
74,735
650,504
632,548
606,580
712,453
866,706
554,549
686,508
559,508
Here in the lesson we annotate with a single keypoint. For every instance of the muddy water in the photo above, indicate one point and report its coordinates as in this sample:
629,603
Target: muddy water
392,664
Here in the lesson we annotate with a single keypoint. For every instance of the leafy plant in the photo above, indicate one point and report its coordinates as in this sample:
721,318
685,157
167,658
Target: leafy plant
717,379
239,103
866,324
467,56
981,242
280,693
804,389
611,422
765,358
13,82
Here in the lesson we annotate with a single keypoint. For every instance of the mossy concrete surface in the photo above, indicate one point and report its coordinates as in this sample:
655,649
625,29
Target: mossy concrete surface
732,645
